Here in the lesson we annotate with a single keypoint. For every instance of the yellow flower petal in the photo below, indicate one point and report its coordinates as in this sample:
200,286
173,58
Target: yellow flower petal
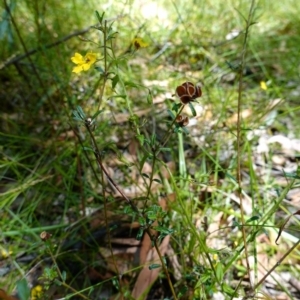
77,69
77,59
90,58
36,292
139,43
263,85
83,63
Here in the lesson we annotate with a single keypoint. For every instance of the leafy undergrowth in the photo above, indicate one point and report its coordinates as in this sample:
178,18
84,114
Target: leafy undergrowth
165,166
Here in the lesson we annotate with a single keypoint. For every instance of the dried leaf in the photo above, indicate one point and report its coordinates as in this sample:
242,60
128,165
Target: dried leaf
147,277
4,296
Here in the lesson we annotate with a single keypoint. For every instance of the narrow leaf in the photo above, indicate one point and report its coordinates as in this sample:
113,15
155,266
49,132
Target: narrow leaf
219,272
284,223
171,114
100,18
254,218
157,180
154,266
115,81
23,289
192,109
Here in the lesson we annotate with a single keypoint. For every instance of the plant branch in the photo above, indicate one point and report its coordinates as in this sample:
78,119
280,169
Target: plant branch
239,128
130,203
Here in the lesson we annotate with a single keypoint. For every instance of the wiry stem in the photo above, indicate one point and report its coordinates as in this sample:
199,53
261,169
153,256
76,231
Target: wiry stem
131,204
239,129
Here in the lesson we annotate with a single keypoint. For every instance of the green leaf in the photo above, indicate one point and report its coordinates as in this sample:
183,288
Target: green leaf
99,69
23,289
192,109
185,130
153,139
140,234
142,221
182,291
165,149
64,276
171,114
154,266
219,272
236,224
157,180
78,114
149,98
228,290
163,230
205,277
176,107
151,215
100,18
57,282
131,84
141,139
128,210
142,162
254,218
292,175
111,36
145,175
88,149
97,113
177,129
115,81
91,290
115,282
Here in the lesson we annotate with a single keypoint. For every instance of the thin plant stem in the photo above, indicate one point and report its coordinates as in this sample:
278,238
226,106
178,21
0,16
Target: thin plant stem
169,132
131,204
239,129
105,65
63,283
273,268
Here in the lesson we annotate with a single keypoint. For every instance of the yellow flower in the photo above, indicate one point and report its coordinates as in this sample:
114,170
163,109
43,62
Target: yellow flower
36,292
83,63
263,85
5,253
139,43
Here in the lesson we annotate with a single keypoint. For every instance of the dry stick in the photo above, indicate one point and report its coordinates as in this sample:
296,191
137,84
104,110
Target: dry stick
75,130
60,41
108,231
275,266
156,151
100,159
240,90
150,180
131,204
33,51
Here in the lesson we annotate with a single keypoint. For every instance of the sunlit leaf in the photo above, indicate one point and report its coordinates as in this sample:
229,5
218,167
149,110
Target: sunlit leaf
219,271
